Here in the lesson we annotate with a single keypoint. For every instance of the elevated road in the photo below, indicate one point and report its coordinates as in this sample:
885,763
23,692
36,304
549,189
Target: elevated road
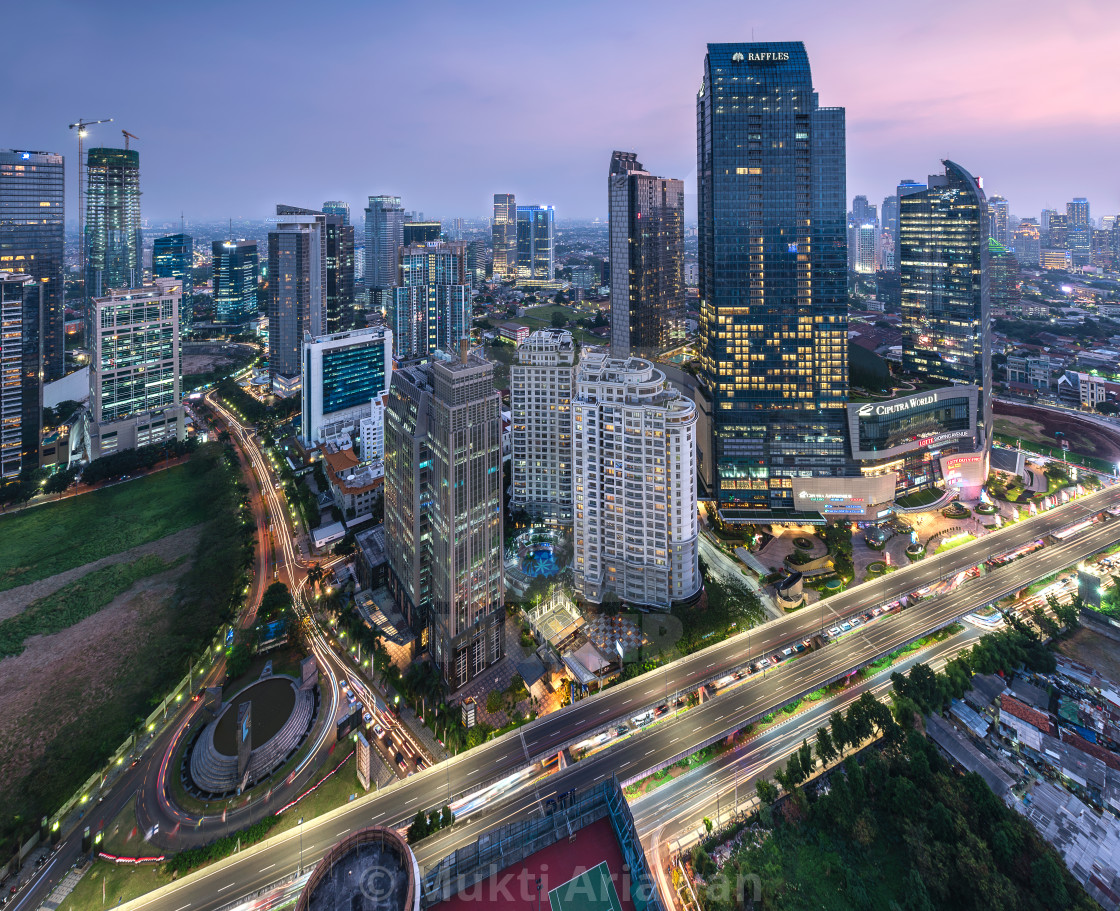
630,757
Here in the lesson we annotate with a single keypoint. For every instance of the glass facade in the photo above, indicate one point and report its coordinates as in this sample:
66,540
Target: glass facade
946,307
22,304
352,375
112,239
431,307
339,208
31,239
773,276
235,280
536,233
504,235
944,417
173,257
384,236
340,273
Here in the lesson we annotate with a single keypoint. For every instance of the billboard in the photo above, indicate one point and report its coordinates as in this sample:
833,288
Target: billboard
363,761
349,725
309,672
244,737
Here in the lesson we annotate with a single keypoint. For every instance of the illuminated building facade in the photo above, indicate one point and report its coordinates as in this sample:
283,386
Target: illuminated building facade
384,236
773,279
536,242
22,305
998,220
236,272
430,308
297,291
504,236
173,257
112,238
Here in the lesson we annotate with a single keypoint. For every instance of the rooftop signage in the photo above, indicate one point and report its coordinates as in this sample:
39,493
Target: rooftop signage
760,57
905,405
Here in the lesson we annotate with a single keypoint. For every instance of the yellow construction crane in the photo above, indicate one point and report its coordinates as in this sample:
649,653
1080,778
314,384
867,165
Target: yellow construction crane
126,136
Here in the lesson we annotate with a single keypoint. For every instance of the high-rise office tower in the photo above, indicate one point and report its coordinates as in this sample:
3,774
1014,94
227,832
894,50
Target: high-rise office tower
339,208
905,188
1003,279
536,242
345,377
236,272
946,298
999,228
1027,242
647,238
113,245
339,250
430,309
1079,237
22,308
173,257
634,445
297,291
443,510
421,232
1057,232
541,379
134,369
863,213
773,281
384,237
889,212
867,239
504,236
31,239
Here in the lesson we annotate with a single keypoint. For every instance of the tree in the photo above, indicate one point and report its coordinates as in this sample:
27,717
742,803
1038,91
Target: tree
1048,882
825,749
558,319
493,702
839,730
315,574
708,825
447,817
275,602
767,792
418,829
805,755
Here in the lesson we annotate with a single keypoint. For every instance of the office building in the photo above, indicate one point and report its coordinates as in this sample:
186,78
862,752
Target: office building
541,379
384,237
339,208
946,298
1027,242
536,239
1035,372
297,291
430,309
113,245
1079,236
134,369
905,188
635,526
867,243
173,257
339,250
1059,260
862,213
504,236
773,280
31,239
236,273
421,232
646,235
22,311
889,213
443,510
998,221
1003,282
345,379
1057,232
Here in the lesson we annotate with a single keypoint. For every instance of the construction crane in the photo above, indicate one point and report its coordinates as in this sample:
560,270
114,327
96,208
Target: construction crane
80,126
126,136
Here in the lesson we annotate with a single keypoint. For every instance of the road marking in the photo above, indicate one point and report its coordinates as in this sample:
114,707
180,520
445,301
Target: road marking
264,869
187,905
340,834
223,889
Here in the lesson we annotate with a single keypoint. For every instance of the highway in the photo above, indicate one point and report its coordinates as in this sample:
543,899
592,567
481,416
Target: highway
659,743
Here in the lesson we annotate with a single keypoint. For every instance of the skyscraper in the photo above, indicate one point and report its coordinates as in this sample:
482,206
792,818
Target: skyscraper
236,272
297,291
999,228
1026,239
946,299
345,377
339,250
430,309
863,213
1003,279
1080,231
443,510
867,238
647,240
339,208
22,305
31,239
889,212
113,245
773,282
504,235
421,232
906,186
536,241
173,257
384,236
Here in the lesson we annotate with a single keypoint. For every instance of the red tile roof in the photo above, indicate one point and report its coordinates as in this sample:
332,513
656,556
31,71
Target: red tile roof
1078,742
1024,712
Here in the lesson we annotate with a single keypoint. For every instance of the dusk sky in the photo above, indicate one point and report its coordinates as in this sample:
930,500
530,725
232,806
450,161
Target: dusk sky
240,105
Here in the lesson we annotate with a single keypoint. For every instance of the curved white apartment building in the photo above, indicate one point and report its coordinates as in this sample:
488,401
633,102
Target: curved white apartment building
634,454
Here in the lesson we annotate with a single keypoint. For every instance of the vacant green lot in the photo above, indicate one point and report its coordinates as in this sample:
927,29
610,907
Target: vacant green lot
37,543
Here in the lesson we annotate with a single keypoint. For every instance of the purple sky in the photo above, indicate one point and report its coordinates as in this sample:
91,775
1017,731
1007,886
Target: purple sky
240,105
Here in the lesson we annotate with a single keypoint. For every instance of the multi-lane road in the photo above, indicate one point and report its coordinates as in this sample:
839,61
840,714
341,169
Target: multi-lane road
732,709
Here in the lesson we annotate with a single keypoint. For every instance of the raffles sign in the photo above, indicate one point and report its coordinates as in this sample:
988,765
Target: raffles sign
761,57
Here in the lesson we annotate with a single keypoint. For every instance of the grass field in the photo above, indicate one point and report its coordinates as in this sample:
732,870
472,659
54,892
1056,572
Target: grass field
37,543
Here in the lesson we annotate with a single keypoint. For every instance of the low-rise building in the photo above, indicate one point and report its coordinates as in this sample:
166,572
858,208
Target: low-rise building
514,332
356,487
1029,371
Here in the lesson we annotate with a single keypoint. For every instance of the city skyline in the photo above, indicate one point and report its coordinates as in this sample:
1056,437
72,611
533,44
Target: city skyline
904,107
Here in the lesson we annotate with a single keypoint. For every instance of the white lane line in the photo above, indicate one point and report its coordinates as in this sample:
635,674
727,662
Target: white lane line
184,908
223,889
265,869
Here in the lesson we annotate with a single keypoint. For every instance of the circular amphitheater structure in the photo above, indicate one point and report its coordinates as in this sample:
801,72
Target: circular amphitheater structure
372,869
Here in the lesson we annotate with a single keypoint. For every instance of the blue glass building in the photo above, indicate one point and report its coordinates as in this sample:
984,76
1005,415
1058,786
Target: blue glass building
773,281
173,257
235,280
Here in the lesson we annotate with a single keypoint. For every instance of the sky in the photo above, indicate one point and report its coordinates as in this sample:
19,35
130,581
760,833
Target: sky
241,104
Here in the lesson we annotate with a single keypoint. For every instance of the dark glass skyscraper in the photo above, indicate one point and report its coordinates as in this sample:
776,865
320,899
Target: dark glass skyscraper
339,208
384,236
773,278
173,257
22,303
340,273
112,221
235,280
946,305
504,235
31,239
536,235
297,290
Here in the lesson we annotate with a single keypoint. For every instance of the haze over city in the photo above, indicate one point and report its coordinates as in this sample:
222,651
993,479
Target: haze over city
239,104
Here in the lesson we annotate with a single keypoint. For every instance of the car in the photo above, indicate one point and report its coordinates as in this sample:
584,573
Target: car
421,764
786,652
845,626
400,762
834,631
775,658
343,685
622,729
378,730
856,621
660,710
367,717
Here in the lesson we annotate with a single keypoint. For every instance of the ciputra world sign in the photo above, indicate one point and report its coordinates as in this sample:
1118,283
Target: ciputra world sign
905,405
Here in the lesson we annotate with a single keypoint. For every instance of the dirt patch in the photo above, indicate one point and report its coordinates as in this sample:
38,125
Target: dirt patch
168,548
59,678
1039,426
1091,648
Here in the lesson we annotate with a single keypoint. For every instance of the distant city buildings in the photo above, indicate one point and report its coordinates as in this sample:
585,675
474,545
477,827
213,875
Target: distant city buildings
236,274
339,208
1027,242
1003,270
541,380
999,228
384,236
135,390
1079,234
646,237
443,510
22,306
420,232
430,307
504,237
173,257
32,214
635,515
297,291
536,242
113,244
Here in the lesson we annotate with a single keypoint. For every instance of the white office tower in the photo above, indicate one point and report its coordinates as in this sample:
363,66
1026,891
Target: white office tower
541,380
634,452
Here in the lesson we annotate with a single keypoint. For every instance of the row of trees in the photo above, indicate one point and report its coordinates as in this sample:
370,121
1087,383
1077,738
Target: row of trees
426,824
